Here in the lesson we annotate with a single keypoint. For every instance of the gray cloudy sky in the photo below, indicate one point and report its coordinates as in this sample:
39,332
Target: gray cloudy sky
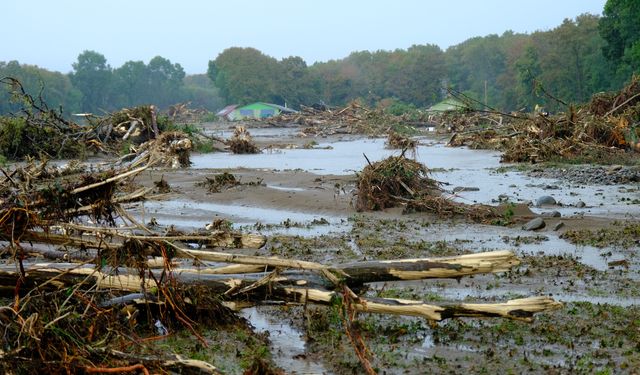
51,34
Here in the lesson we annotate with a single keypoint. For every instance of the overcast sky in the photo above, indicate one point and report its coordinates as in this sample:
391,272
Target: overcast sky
51,34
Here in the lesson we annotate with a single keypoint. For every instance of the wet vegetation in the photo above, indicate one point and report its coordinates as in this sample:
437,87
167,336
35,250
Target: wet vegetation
622,236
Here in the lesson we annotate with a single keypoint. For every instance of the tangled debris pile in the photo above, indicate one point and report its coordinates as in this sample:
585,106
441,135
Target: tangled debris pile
399,141
609,125
241,142
181,113
223,181
37,131
352,119
398,180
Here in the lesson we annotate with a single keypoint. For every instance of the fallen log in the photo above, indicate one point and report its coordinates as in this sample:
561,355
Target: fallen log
429,268
517,309
353,274
116,236
277,288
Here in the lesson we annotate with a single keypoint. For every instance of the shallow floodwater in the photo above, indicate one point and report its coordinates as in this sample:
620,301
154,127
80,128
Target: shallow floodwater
488,237
199,214
287,343
453,166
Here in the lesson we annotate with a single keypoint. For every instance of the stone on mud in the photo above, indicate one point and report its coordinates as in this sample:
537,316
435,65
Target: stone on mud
545,200
537,223
551,214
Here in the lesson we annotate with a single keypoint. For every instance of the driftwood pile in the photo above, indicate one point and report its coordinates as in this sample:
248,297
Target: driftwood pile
352,119
398,141
400,181
112,283
607,126
180,113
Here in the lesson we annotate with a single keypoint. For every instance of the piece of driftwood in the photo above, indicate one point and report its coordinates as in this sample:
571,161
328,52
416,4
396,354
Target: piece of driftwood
83,236
429,268
517,309
272,287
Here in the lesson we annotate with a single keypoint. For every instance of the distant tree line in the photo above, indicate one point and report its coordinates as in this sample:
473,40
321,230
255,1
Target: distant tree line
508,72
95,87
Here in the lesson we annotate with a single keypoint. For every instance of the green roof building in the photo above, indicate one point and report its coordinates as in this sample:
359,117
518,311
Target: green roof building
448,105
257,110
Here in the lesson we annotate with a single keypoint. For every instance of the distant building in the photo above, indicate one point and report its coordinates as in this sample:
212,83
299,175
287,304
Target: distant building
224,112
257,110
448,105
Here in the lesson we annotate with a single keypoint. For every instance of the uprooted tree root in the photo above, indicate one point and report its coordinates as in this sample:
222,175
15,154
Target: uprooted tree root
398,180
242,143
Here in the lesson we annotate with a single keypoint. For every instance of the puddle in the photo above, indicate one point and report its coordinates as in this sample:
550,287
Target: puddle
287,343
284,188
344,158
267,133
192,214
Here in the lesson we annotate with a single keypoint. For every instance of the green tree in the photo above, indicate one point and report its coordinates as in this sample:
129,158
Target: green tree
294,82
131,84
528,68
55,88
92,76
245,75
165,81
201,93
620,27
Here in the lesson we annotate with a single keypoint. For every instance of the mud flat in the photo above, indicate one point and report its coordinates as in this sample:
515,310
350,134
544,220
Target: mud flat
303,200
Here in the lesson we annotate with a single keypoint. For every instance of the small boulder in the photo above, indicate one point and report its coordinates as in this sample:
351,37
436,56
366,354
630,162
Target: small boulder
535,224
558,225
581,204
545,200
551,214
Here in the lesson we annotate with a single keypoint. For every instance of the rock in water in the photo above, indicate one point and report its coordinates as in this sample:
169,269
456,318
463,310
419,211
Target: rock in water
580,204
545,200
534,224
